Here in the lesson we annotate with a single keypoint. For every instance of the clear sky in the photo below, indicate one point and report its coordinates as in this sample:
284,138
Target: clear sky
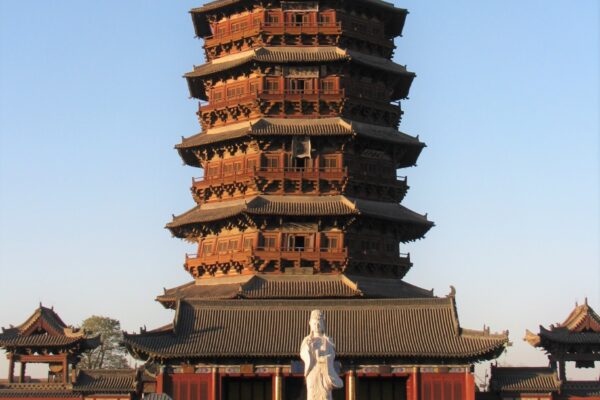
92,101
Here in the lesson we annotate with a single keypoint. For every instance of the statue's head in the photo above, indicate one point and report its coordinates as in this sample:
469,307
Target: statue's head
317,322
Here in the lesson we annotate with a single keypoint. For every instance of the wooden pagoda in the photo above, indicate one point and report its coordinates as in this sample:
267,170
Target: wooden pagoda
298,208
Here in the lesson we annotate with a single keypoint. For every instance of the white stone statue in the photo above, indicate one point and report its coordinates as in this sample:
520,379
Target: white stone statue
318,353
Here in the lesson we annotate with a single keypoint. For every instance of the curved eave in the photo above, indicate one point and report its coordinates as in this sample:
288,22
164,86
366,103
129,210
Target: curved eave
416,329
55,343
413,226
274,127
561,336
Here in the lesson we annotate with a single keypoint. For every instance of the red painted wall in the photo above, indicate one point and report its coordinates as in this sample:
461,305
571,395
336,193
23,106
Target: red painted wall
190,386
447,386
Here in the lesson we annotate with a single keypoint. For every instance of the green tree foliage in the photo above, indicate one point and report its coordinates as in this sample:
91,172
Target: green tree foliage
110,354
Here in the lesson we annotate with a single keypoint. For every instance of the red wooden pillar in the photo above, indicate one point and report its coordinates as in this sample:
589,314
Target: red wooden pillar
351,385
215,384
414,378
277,385
11,369
22,372
469,385
160,381
65,367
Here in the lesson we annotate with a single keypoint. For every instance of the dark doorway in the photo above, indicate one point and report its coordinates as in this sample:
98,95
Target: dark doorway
393,388
236,388
294,389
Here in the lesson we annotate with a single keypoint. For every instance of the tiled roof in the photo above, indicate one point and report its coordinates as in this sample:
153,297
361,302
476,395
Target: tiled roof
281,54
302,127
399,329
582,327
268,286
582,318
215,5
524,379
106,381
285,55
44,328
563,335
310,286
388,288
301,206
36,390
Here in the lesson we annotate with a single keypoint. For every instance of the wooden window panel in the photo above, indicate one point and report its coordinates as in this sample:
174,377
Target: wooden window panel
228,169
332,243
233,245
184,391
330,162
248,243
207,248
270,242
194,391
272,162
272,86
213,171
458,392
437,390
203,392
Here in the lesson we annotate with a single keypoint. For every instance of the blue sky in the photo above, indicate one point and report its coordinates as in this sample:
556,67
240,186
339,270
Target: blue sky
506,97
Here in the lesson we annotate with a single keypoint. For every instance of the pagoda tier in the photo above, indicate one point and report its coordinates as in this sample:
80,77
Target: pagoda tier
368,26
577,339
291,234
284,286
313,157
45,338
299,82
385,331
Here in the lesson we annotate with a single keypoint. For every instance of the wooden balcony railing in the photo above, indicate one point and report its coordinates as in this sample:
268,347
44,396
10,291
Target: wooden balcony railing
266,253
279,95
381,257
275,28
366,176
289,173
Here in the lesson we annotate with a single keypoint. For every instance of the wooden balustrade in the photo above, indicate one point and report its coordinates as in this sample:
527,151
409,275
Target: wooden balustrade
275,28
289,173
279,95
266,253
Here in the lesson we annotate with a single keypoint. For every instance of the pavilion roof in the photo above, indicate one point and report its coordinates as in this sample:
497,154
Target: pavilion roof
44,328
524,379
296,55
582,326
106,381
265,286
396,16
37,390
335,126
284,205
425,329
88,382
